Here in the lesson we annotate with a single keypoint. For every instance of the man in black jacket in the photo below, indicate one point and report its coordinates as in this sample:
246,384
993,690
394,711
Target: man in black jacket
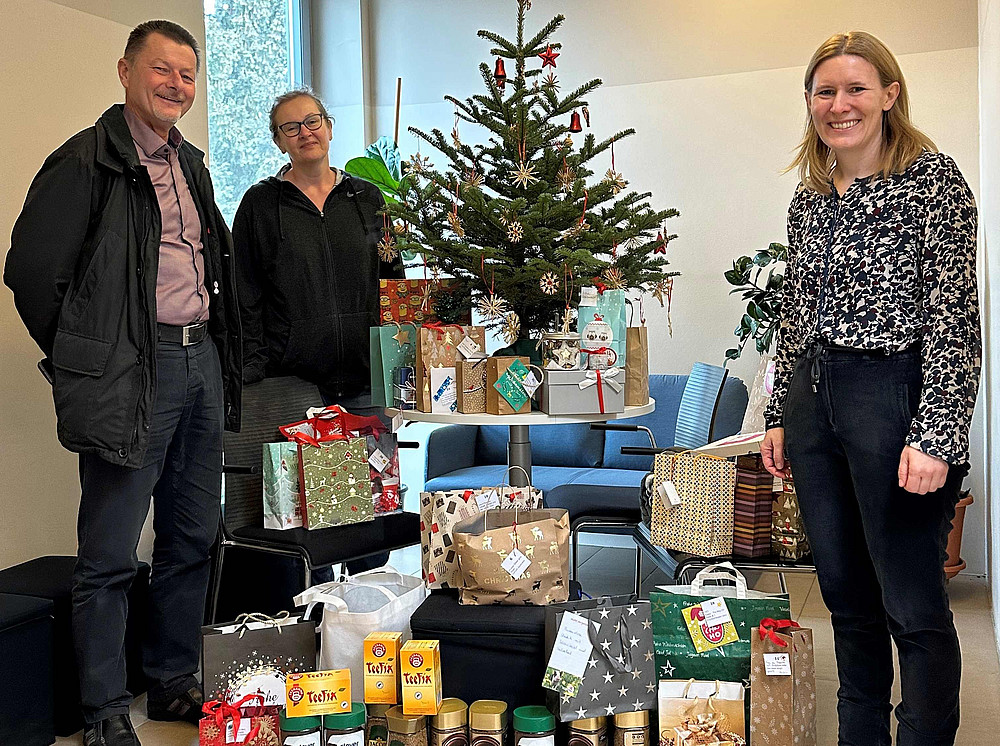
121,267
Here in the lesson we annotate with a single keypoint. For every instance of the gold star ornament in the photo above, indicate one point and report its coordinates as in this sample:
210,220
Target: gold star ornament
523,175
616,180
402,336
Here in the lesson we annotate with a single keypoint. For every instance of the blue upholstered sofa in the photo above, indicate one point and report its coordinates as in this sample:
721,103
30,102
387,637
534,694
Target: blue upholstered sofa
467,456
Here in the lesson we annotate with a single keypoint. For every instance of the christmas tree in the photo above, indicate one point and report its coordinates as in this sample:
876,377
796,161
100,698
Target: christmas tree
518,221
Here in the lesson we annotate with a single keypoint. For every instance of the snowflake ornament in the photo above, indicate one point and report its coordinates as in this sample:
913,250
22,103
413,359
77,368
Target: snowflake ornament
492,307
515,232
511,327
616,180
418,164
387,249
614,278
575,231
523,175
549,283
456,224
634,242
473,179
565,178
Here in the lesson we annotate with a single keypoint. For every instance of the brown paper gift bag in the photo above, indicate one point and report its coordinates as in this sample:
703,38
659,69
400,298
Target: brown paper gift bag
636,366
437,347
715,707
495,403
485,541
470,376
783,702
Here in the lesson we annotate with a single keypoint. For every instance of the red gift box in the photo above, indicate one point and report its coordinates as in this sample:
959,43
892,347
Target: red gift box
412,301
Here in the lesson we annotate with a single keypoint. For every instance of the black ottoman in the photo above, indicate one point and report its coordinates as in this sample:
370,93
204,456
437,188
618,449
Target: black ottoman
51,578
596,501
26,711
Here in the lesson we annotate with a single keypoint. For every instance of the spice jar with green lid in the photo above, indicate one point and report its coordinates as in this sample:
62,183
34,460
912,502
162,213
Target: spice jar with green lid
450,726
534,726
588,732
302,731
376,727
345,728
487,722
632,729
406,730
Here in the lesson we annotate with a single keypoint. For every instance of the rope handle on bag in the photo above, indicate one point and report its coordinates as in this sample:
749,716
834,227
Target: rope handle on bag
729,572
243,621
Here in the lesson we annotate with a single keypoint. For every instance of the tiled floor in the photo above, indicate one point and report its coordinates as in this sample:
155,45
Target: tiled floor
609,570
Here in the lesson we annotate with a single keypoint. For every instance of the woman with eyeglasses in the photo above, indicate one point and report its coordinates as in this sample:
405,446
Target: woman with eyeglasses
308,266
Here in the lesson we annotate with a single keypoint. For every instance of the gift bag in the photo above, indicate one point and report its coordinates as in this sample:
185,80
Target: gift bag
437,347
390,347
336,487
609,331
636,366
514,557
412,301
253,655
603,645
701,712
379,600
441,511
280,472
702,521
383,460
682,624
226,724
471,382
505,390
783,684
788,532
753,503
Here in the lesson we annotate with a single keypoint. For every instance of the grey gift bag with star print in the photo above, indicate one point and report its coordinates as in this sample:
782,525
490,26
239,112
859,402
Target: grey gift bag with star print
620,674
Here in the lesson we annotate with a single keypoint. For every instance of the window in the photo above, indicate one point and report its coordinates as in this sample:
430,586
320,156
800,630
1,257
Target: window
256,50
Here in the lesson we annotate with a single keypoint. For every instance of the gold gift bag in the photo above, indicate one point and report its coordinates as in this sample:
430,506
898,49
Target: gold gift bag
783,689
703,523
437,347
690,708
484,542
470,375
636,366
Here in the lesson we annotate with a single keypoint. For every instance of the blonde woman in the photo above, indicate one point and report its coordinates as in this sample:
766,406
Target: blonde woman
878,362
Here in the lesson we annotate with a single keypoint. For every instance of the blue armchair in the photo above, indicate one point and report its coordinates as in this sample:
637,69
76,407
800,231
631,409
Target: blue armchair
468,456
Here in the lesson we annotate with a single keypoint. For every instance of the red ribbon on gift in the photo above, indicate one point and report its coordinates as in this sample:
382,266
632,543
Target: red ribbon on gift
601,287
223,711
600,390
440,328
768,627
603,351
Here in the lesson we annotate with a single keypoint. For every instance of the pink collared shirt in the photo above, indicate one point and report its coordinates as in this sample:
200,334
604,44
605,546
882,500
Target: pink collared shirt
181,297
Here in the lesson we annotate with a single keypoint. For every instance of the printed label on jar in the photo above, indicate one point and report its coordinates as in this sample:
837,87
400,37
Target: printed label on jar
377,735
354,738
633,737
598,738
549,740
449,739
310,739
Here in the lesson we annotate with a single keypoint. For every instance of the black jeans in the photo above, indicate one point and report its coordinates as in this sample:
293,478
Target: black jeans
183,473
879,550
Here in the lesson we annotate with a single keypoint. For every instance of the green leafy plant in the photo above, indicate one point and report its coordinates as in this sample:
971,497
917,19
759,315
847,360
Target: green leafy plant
758,280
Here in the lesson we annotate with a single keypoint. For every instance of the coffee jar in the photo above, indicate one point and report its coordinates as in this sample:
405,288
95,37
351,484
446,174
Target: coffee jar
376,727
406,730
450,727
588,732
632,729
534,726
345,728
302,731
487,722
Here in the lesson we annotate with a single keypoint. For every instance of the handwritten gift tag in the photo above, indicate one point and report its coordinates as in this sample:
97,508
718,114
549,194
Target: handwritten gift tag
470,349
570,654
487,501
777,664
515,564
588,296
378,460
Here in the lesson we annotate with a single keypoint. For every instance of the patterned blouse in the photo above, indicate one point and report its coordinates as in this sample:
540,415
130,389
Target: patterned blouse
890,263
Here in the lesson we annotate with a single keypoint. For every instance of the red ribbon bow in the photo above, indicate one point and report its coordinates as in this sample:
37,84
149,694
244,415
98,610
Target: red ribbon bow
601,287
223,711
768,627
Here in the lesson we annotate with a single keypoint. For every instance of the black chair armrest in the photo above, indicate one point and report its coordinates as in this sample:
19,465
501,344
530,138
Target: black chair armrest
239,469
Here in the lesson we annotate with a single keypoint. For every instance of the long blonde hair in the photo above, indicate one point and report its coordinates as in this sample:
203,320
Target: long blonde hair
902,143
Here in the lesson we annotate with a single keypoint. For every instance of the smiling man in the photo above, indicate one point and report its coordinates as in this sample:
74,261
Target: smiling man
121,267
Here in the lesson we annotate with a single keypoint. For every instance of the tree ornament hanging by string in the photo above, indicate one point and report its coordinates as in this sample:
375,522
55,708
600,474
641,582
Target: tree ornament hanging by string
506,217
400,228
491,306
454,133
549,283
586,115
548,57
568,142
577,229
511,327
387,251
453,219
634,242
551,81
515,232
614,278
566,177
418,164
615,179
473,179
523,175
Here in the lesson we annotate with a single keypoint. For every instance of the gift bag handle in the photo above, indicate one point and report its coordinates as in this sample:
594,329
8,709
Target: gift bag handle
720,571
320,593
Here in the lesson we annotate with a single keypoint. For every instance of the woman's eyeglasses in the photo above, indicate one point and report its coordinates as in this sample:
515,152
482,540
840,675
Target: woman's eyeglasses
312,123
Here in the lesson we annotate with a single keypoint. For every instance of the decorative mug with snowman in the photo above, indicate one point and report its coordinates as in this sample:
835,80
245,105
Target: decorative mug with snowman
597,338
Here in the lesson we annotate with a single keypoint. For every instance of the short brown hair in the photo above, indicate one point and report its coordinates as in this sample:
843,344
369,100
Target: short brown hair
902,143
291,95
169,29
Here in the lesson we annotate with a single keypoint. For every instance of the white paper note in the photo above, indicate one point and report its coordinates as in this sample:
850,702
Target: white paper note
470,349
572,647
378,460
777,664
516,564
669,496
588,296
716,612
444,391
487,501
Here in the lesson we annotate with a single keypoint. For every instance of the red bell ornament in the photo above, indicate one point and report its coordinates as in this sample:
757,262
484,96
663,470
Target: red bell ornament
574,122
499,73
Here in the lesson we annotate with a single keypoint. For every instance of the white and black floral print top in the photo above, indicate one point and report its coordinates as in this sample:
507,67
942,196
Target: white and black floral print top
890,263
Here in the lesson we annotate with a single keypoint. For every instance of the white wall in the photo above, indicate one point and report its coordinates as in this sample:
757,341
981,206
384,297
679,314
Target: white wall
714,91
989,204
57,74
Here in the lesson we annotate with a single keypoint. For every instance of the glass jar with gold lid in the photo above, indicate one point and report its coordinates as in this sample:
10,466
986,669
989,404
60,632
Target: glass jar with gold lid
450,726
406,730
487,722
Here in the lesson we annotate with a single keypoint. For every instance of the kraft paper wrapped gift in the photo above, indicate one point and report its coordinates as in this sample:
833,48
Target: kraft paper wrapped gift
471,380
583,391
496,367
636,366
437,347
782,684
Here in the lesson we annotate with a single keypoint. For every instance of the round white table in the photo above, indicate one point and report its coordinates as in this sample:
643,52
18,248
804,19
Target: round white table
518,443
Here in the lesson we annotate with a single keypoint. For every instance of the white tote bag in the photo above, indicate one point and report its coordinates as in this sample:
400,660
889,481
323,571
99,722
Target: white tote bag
380,600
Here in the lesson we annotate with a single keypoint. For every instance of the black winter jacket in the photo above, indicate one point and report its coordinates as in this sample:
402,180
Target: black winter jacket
82,264
308,282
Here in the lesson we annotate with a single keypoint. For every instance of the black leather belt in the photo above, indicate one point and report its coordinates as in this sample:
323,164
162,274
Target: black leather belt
182,335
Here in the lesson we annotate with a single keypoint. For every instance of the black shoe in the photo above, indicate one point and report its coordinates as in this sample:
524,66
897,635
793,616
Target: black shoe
116,730
185,707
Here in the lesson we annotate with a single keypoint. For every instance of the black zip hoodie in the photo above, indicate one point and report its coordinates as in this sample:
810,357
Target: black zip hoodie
308,282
